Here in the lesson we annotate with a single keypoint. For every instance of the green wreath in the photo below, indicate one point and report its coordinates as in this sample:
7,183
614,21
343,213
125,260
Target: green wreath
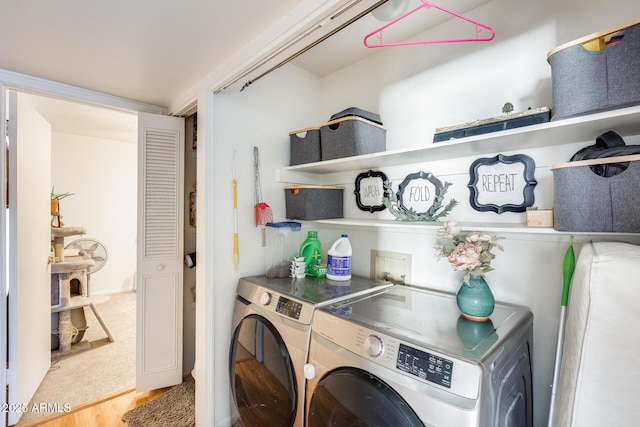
435,212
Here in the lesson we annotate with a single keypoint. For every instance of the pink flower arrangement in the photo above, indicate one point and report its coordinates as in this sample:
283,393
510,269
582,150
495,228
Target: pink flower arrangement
470,253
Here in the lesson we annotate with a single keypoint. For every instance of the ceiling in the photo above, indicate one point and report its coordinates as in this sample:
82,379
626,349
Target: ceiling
155,51
87,120
152,51
347,46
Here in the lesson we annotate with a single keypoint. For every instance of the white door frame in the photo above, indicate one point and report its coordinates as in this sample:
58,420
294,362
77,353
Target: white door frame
23,83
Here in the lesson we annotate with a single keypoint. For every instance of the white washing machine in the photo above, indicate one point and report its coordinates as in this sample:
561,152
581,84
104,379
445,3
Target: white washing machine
405,357
271,332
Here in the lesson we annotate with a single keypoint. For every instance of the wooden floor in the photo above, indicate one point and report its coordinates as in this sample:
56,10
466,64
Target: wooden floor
262,399
104,412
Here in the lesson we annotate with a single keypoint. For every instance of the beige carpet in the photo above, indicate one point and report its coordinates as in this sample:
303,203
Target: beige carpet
175,408
94,367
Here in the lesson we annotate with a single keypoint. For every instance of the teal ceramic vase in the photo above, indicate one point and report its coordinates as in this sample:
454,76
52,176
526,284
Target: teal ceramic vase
475,300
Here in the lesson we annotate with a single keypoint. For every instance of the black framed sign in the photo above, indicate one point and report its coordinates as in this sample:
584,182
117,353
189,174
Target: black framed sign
418,192
370,191
502,183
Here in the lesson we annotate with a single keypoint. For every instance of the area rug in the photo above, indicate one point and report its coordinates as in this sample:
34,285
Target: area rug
95,367
175,408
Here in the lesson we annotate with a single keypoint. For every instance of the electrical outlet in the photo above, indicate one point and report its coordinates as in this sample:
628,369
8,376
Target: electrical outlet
390,266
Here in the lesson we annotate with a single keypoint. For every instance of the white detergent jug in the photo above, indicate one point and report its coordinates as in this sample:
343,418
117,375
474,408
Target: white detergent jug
339,259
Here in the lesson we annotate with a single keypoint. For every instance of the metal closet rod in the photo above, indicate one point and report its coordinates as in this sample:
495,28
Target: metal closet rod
303,50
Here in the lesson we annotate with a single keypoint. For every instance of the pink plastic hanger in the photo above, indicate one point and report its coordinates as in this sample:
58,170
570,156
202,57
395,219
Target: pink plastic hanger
426,5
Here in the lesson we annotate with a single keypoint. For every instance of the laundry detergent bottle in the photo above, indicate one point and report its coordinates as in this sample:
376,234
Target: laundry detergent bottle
339,259
311,251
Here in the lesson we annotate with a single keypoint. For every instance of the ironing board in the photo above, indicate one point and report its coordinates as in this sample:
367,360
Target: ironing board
601,363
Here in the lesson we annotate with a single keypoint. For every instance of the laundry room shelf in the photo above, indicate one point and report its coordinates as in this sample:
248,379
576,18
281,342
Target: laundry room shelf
431,227
625,121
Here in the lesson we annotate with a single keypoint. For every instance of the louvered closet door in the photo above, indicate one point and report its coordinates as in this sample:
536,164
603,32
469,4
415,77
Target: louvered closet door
160,253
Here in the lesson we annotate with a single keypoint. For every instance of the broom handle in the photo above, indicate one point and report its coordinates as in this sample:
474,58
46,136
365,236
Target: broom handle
568,267
235,224
236,252
256,170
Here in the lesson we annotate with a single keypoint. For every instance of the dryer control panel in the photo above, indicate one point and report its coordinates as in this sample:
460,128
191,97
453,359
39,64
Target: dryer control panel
428,365
276,302
289,308
425,365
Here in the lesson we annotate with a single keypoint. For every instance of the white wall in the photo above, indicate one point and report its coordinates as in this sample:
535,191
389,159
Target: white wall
415,89
420,88
261,116
102,174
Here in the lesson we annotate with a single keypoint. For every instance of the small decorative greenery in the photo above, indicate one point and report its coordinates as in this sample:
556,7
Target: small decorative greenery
59,196
507,108
471,253
435,212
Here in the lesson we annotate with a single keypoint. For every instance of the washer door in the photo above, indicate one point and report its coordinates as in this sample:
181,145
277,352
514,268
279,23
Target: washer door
353,397
263,381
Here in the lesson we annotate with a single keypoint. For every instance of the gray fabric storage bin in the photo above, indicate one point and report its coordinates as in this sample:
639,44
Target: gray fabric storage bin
584,201
359,112
585,81
351,136
312,202
304,146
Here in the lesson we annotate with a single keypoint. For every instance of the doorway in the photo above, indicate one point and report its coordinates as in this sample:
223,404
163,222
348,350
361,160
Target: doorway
94,157
24,84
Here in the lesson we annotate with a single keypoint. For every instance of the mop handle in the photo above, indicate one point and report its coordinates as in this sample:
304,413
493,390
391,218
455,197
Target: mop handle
236,252
568,266
235,225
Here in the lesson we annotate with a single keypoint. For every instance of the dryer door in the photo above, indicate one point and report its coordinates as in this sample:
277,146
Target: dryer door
353,397
263,380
